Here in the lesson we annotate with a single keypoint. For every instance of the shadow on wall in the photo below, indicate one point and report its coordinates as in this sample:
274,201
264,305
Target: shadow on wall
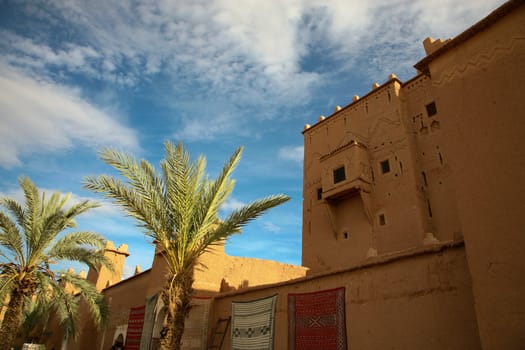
226,287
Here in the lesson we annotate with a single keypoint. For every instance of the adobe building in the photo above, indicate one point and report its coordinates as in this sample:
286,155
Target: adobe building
412,204
217,272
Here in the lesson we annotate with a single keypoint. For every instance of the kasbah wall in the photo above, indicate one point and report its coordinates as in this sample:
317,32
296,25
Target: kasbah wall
413,201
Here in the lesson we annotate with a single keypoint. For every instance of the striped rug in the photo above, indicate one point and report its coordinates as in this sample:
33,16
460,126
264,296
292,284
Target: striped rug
135,323
253,324
317,321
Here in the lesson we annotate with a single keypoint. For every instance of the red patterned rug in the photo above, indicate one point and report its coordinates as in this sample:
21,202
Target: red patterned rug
316,321
135,324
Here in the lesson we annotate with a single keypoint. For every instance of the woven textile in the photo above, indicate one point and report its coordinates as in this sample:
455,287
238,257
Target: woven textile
316,321
135,323
253,324
196,325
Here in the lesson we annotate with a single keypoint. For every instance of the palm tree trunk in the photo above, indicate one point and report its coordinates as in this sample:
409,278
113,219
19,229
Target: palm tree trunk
11,321
177,298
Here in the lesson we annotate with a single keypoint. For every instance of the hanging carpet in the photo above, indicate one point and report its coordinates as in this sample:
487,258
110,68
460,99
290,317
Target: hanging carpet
135,323
316,321
253,324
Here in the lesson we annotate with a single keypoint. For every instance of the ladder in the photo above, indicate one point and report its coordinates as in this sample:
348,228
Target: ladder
219,332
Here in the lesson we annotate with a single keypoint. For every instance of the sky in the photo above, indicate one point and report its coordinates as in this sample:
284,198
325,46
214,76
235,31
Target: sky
77,76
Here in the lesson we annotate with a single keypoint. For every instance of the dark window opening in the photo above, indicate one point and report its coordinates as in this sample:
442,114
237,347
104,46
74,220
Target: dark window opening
385,166
339,174
440,158
319,193
424,178
429,208
431,109
382,220
345,235
401,167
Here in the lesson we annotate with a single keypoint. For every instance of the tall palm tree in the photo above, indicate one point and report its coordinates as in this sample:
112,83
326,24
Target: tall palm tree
31,241
179,209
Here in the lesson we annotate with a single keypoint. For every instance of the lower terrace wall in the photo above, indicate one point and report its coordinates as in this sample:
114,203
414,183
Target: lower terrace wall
120,298
415,299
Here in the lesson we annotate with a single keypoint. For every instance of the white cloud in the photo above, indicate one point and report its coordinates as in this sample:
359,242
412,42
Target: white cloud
105,208
232,204
292,153
71,56
39,116
270,227
248,53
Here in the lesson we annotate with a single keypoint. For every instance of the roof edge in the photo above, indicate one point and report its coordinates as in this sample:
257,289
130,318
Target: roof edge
354,103
480,26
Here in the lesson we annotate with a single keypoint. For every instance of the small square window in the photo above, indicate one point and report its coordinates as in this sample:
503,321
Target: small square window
339,174
385,166
319,193
382,220
431,109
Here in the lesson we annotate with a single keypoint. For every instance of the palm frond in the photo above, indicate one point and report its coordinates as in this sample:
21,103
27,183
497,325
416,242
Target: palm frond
32,210
127,198
10,237
78,209
79,238
178,189
6,284
215,196
239,218
96,303
94,259
140,175
15,209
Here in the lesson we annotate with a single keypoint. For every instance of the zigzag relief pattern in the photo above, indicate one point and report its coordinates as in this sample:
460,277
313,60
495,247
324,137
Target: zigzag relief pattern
478,62
382,121
315,155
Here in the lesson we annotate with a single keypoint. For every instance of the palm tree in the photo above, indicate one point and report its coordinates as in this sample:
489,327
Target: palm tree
31,241
59,297
179,209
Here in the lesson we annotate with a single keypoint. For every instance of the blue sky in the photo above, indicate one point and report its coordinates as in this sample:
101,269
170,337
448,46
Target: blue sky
76,76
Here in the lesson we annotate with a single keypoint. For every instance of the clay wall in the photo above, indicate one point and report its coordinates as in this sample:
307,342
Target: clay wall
219,271
105,277
418,299
436,190
479,86
379,207
120,298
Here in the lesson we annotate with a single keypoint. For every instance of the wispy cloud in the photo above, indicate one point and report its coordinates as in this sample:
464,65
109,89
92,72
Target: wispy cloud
40,116
232,204
248,54
270,227
292,153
